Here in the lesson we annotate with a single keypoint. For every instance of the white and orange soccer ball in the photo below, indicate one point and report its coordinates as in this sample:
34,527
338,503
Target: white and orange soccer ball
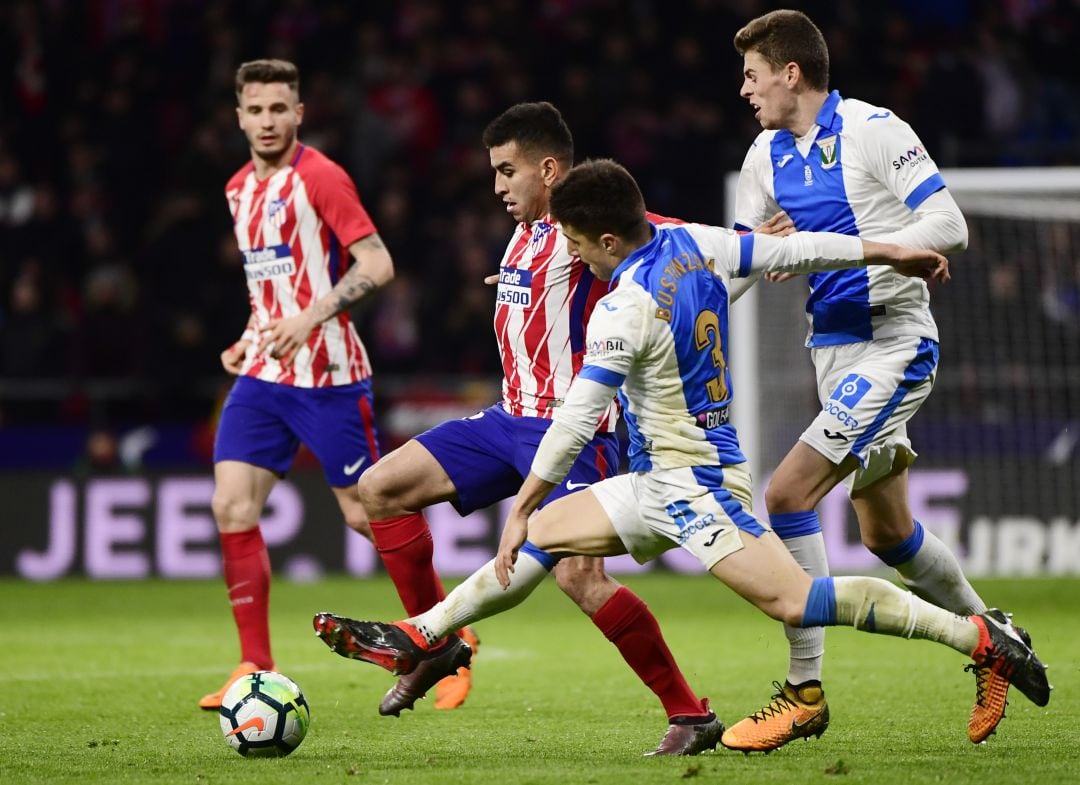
264,715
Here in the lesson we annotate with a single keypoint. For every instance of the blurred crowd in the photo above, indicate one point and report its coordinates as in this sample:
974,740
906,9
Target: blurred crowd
118,132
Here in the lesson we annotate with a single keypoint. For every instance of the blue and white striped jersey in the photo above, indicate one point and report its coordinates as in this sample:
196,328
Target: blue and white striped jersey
661,336
862,171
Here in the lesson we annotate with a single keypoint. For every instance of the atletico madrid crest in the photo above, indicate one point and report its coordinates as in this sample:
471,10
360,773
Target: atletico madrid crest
275,213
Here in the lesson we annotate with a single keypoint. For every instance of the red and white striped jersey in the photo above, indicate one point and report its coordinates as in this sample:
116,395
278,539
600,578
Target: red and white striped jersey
544,300
294,229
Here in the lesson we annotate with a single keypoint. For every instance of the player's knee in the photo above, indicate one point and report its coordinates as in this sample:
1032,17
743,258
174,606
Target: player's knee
232,512
881,539
585,582
782,498
375,492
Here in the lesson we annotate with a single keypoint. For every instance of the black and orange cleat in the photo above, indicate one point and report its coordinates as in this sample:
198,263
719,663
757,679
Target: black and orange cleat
991,697
397,647
1007,655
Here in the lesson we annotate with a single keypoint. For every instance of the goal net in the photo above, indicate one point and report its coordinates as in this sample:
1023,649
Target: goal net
998,475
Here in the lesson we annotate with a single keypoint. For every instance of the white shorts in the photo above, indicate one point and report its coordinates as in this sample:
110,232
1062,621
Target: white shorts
868,392
701,508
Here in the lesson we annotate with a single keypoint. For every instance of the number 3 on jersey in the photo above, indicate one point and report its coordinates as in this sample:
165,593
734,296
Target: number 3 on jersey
707,334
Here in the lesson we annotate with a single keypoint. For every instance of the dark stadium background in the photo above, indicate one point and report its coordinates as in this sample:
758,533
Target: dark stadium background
120,282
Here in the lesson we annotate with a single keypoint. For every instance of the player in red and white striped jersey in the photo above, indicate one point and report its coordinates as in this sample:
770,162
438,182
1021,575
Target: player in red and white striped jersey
310,252
294,228
543,302
544,298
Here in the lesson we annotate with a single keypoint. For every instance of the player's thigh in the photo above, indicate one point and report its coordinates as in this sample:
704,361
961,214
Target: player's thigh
403,481
477,453
240,492
803,478
576,524
884,512
338,426
868,392
253,428
764,573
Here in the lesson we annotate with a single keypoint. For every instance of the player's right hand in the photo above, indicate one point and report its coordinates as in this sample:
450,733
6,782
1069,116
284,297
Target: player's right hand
921,263
491,280
233,358
513,537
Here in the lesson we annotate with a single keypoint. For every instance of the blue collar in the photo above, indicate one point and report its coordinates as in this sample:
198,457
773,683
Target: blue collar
636,255
827,115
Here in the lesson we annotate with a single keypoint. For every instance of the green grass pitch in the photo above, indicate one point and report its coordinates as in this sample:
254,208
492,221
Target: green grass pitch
100,683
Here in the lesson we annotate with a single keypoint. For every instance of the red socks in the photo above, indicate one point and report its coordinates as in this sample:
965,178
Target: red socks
404,543
627,622
247,577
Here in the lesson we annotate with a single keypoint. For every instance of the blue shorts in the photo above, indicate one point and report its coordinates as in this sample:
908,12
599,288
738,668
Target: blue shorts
264,423
488,455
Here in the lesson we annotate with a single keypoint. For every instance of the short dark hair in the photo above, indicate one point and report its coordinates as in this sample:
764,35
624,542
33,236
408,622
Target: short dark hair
600,196
267,72
538,128
785,36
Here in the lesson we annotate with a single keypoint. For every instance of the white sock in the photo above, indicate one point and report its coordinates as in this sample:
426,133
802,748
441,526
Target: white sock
807,644
934,574
875,605
480,596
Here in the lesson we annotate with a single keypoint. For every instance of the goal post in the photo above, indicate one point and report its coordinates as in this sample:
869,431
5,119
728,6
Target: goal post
998,475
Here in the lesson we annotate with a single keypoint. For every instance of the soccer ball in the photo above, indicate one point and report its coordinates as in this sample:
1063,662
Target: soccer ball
264,715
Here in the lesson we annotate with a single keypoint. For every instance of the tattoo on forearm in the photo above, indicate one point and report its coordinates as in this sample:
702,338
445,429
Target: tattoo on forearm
353,287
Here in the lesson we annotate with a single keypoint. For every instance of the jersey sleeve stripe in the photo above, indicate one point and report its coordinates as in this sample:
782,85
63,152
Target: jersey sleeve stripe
582,292
746,254
741,227
602,375
930,185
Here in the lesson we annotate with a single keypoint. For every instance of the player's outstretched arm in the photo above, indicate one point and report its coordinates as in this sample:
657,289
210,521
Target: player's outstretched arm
373,268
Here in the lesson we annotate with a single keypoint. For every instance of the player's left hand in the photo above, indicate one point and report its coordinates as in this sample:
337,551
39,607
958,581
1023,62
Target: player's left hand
513,537
288,335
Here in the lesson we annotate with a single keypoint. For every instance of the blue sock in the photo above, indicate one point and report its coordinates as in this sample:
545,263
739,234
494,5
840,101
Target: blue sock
795,524
542,556
905,551
820,604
